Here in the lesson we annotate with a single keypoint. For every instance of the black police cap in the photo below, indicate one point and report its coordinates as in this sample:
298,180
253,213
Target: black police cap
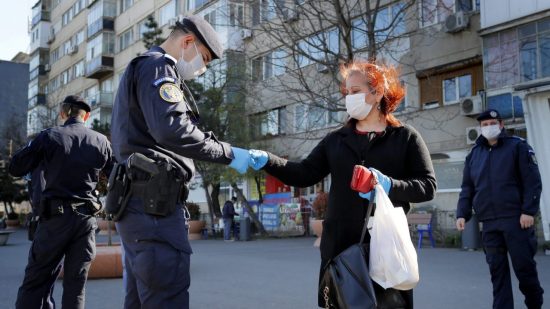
78,102
204,32
489,114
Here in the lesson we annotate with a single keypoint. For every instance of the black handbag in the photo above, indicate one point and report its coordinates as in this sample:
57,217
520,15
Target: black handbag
346,283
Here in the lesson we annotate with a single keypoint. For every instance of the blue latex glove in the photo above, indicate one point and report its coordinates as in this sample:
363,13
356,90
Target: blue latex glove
242,158
258,158
382,179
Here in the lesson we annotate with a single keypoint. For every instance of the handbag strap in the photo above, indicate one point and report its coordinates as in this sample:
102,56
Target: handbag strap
367,216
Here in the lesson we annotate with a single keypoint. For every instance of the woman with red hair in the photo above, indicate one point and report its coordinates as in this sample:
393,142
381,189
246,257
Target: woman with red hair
372,137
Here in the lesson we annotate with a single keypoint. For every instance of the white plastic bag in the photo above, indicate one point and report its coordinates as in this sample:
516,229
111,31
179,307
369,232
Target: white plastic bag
393,260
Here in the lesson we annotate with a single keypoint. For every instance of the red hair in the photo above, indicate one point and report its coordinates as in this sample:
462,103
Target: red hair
381,78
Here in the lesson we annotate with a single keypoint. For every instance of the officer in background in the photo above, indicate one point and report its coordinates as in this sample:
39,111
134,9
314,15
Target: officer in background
502,183
71,157
155,140
228,214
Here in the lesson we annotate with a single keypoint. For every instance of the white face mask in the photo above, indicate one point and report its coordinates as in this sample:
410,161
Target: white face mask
490,132
357,107
190,70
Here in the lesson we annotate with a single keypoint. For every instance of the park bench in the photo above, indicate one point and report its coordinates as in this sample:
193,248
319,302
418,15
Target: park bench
421,223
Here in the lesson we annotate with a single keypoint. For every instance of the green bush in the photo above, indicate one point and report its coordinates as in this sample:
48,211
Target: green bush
194,210
453,240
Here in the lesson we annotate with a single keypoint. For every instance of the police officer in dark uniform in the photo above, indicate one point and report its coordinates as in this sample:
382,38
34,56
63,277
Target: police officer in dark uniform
502,184
155,140
71,157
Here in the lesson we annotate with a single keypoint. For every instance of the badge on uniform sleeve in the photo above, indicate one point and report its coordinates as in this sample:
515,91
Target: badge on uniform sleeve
533,157
170,93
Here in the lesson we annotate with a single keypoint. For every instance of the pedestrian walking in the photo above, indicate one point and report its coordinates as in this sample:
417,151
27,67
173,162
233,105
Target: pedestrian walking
228,215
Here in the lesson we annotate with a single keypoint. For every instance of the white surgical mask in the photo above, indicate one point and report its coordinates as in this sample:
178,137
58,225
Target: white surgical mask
356,106
490,132
190,70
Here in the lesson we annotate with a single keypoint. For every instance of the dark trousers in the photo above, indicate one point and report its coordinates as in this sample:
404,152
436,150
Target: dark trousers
70,235
156,258
500,238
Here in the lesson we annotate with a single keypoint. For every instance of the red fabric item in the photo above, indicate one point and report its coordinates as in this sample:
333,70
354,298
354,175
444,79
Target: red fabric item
362,180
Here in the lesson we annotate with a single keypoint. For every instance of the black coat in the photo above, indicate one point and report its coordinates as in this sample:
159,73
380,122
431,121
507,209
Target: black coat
399,153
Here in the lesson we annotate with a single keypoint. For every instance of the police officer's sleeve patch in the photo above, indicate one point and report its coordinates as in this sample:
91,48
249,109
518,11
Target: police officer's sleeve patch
170,93
532,157
165,79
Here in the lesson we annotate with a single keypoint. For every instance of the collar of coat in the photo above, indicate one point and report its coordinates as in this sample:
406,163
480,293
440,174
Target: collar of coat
348,136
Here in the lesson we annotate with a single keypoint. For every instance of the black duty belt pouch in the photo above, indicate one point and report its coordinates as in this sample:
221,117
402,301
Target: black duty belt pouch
346,282
33,225
118,192
156,183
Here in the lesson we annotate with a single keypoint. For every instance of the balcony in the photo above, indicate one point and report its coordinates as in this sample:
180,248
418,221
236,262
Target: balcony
39,99
41,16
101,99
39,71
102,24
100,67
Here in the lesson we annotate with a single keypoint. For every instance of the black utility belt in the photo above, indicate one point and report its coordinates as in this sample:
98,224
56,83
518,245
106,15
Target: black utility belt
55,207
157,183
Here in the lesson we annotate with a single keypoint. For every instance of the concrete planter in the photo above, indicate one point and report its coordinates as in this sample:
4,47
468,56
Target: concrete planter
317,226
195,228
12,223
4,236
103,226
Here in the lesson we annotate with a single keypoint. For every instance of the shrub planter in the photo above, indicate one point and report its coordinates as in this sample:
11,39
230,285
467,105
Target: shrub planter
106,264
195,228
12,223
317,226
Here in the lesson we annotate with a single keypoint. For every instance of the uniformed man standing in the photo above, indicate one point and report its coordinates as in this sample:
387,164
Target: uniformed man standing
155,138
71,157
502,183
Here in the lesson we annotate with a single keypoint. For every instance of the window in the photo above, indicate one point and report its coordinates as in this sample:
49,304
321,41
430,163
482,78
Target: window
457,88
269,123
264,10
435,11
142,28
67,47
210,17
300,120
358,33
440,87
403,105
65,77
321,47
125,4
78,69
195,4
80,37
126,39
315,116
167,12
67,16
236,14
78,6
103,44
517,55
274,63
257,70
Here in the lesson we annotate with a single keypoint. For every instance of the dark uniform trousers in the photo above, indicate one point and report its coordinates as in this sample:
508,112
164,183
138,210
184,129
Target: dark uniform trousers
502,236
157,258
70,235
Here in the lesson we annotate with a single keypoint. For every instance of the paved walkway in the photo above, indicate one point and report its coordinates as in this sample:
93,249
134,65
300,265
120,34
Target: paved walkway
280,273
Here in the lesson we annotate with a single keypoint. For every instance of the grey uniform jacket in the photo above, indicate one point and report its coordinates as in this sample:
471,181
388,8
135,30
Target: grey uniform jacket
151,116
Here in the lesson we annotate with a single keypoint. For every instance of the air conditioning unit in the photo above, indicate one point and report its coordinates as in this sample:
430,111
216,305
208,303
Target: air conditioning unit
471,106
290,14
47,67
246,34
472,133
321,68
73,49
456,22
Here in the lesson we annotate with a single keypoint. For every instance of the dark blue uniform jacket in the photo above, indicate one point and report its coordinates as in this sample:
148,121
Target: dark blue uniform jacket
157,124
500,181
72,157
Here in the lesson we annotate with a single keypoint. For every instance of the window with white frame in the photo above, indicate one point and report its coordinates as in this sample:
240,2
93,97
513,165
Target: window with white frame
78,6
78,69
210,17
316,46
67,47
167,12
457,88
268,123
192,5
516,55
142,28
274,63
67,16
80,36
125,4
316,116
435,11
126,39
236,14
265,10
